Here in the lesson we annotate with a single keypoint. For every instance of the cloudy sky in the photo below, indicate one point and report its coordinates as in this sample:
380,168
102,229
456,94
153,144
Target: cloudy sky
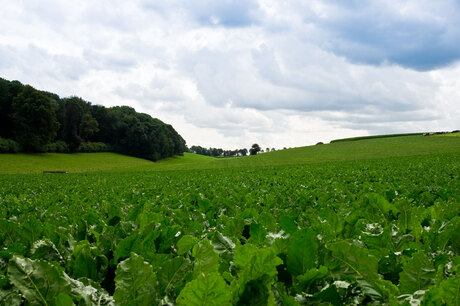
230,73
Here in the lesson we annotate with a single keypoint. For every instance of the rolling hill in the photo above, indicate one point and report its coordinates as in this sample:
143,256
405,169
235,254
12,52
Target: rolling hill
339,151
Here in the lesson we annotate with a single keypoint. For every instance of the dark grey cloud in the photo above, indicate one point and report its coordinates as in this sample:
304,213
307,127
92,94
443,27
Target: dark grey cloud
267,81
422,37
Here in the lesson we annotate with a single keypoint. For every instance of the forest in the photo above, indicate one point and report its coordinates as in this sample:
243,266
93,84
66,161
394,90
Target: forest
34,121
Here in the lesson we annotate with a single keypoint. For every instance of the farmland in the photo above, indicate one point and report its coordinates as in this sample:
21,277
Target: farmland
371,221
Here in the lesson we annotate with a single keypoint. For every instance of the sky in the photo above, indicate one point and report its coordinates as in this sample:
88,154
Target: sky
232,73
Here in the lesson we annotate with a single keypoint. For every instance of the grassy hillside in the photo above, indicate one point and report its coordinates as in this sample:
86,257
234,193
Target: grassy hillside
339,151
79,162
375,136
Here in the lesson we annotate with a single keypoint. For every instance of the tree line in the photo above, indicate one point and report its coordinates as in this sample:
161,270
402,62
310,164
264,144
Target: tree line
38,121
217,152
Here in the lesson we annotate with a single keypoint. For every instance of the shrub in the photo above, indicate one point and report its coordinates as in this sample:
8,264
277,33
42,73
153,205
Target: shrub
9,146
89,147
59,146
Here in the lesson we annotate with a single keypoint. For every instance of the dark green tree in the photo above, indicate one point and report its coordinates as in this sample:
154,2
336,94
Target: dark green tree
254,149
8,90
33,120
71,127
88,126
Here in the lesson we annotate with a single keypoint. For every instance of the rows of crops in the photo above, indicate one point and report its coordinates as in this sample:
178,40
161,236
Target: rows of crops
378,231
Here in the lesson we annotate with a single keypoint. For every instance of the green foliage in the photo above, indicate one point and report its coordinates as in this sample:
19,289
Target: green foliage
301,253
9,146
448,293
59,146
136,283
185,244
88,126
206,261
206,290
87,262
380,231
38,281
418,274
93,147
39,121
33,120
254,149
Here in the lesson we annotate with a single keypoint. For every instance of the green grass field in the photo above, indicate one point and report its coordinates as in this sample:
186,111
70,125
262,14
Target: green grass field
340,151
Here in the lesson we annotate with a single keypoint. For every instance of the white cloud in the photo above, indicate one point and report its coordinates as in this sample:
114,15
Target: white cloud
229,74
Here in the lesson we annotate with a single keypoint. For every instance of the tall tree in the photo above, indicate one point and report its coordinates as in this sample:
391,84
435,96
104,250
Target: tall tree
71,127
8,90
88,126
254,149
33,119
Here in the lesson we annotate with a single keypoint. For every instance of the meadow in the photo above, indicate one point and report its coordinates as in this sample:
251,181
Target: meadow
373,221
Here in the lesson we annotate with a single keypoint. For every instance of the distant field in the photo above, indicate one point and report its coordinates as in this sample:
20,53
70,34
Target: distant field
450,135
375,136
339,151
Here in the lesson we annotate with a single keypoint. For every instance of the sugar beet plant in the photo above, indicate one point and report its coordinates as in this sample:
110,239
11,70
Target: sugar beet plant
365,232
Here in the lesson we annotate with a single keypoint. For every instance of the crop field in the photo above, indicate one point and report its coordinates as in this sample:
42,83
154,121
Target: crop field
365,222
374,148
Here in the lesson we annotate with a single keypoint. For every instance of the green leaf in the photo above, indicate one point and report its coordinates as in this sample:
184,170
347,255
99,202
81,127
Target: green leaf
45,249
10,297
88,291
135,282
301,253
417,274
206,290
172,273
288,224
305,280
125,247
88,262
448,293
63,300
254,263
329,295
256,274
257,233
185,244
357,262
206,261
38,281
382,205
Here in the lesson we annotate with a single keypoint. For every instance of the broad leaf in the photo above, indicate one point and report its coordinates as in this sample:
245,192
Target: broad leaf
10,297
38,281
256,274
206,261
305,280
357,262
172,273
88,262
257,233
135,282
417,274
206,291
185,244
301,253
448,293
